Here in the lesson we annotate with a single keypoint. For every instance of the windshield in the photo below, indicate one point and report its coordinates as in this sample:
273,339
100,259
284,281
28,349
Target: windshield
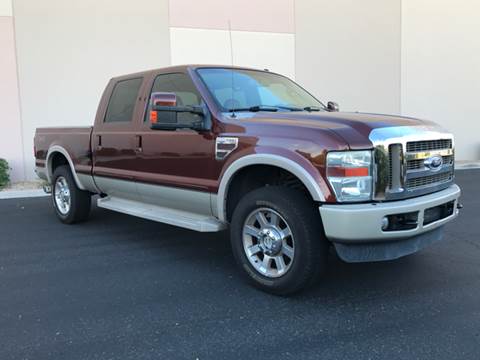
256,91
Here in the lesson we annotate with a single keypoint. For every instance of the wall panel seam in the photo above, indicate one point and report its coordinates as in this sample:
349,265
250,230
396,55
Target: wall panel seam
233,30
294,39
20,112
400,82
169,33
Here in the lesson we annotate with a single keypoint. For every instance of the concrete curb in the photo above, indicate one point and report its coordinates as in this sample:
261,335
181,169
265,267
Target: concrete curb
467,166
16,194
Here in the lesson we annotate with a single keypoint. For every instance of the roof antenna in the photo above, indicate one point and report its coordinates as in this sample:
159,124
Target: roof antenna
231,60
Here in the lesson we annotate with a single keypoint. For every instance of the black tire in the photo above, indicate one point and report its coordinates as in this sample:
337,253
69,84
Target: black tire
80,201
303,219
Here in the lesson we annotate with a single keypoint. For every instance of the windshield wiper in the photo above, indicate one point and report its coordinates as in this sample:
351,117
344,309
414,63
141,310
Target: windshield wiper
291,108
311,108
256,108
294,108
275,108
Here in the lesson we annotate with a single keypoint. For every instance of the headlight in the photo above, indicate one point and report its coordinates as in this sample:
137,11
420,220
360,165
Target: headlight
350,175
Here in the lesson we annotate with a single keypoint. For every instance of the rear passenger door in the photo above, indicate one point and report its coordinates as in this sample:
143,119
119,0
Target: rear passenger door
114,142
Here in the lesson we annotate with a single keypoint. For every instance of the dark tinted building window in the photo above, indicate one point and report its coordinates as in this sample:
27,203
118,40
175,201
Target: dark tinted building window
123,100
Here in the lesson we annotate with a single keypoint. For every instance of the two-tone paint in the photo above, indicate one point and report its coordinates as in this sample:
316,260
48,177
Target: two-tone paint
133,161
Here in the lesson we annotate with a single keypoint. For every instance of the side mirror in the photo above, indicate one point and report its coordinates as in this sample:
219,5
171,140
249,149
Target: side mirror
164,113
160,99
332,106
163,99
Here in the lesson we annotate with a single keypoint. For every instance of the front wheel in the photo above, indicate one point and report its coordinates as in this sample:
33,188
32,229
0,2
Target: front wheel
71,204
277,239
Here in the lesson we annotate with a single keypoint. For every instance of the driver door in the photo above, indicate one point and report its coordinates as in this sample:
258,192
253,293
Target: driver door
174,168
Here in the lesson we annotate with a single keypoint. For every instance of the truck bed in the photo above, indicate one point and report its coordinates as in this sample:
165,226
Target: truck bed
74,140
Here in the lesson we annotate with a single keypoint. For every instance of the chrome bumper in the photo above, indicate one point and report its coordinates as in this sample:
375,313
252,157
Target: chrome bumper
362,223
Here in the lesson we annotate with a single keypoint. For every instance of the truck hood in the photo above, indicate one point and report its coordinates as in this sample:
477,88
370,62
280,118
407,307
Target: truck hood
354,128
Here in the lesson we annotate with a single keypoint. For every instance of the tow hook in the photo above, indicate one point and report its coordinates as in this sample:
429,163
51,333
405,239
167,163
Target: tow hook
47,189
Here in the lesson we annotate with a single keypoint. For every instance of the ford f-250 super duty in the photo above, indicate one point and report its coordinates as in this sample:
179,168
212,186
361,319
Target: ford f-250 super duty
204,147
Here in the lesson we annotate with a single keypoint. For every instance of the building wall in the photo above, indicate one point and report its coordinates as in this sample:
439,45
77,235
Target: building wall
6,8
441,67
349,52
412,57
10,125
68,50
261,38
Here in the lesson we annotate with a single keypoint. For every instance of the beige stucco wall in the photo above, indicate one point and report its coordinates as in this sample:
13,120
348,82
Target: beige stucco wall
414,57
263,38
260,50
5,7
349,52
67,50
275,16
10,125
441,67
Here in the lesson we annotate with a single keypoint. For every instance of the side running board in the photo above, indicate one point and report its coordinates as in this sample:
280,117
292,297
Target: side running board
169,216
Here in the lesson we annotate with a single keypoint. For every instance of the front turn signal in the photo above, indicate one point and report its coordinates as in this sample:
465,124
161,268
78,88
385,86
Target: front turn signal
350,175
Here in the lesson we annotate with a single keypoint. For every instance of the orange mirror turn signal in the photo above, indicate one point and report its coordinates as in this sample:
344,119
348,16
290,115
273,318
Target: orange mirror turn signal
153,117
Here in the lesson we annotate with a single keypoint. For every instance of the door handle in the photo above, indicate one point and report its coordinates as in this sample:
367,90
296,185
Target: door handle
138,143
99,142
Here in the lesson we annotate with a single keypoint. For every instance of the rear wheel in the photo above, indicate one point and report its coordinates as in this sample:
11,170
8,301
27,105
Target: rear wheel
277,239
71,204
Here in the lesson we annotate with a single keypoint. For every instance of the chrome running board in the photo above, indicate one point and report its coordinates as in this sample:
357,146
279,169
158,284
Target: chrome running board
169,216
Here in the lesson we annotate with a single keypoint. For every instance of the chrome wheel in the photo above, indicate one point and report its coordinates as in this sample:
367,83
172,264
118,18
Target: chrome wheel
268,242
62,195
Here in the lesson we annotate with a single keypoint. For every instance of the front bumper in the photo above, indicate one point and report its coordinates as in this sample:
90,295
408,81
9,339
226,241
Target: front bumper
362,223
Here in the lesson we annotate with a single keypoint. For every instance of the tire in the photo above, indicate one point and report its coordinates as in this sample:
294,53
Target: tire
293,213
77,202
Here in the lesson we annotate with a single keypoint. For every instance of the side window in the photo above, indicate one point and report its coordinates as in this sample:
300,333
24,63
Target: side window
183,87
123,100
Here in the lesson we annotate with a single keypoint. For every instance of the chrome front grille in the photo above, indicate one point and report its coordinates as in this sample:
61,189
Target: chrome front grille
418,164
411,161
390,167
419,172
429,180
428,145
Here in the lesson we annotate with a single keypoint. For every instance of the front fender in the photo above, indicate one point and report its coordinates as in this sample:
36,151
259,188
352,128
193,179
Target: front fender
290,161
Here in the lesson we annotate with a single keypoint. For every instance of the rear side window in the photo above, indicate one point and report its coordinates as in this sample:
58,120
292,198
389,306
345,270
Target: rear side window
123,100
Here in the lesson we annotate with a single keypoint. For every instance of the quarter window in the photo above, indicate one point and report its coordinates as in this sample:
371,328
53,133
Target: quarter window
123,100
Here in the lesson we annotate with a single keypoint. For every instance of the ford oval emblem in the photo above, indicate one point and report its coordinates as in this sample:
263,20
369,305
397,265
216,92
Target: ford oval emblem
434,163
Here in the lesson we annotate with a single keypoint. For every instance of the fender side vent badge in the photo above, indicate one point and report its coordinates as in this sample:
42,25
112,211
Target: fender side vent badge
224,146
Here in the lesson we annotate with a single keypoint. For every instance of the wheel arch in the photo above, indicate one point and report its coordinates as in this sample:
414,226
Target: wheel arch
52,154
281,162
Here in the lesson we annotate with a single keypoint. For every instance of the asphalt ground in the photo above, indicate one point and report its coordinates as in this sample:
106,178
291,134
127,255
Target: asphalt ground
118,287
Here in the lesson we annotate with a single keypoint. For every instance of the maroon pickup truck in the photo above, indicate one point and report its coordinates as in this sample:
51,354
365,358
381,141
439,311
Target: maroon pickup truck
211,147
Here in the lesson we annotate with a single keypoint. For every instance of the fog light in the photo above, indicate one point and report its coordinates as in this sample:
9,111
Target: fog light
385,223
